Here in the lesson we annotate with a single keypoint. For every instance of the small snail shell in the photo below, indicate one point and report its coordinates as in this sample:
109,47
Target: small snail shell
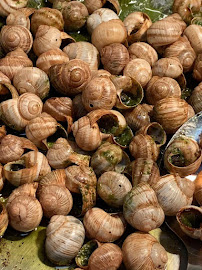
3,219
139,70
16,36
194,34
58,107
64,238
7,7
46,16
84,51
109,32
144,51
114,58
198,188
40,128
189,219
13,62
29,168
171,113
136,24
196,98
153,254
183,51
54,197
167,67
51,58
163,32
74,15
141,208
173,193
162,87
99,93
32,80
112,187
100,15
70,78
102,226
24,210
143,146
197,72
17,112
78,107
144,170
18,17
13,147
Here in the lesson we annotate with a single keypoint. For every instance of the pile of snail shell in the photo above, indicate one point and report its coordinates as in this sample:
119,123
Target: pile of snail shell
100,135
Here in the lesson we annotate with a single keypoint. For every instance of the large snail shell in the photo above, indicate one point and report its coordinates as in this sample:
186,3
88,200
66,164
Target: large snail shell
13,37
84,51
112,187
17,112
144,51
163,32
198,188
70,78
109,32
141,208
51,58
162,87
144,170
139,70
54,197
102,226
196,98
100,15
18,17
46,16
183,51
197,72
24,210
99,93
64,238
13,62
32,80
143,146
194,34
173,193
171,113
3,219
7,7
13,147
167,67
153,254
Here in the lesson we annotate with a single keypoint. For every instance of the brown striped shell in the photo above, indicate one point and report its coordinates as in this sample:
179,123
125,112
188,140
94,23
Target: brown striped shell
196,98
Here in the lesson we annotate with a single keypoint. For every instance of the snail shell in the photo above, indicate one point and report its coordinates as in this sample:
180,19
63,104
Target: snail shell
4,78
102,226
13,147
144,51
153,254
51,58
197,72
64,238
54,197
2,180
198,188
101,73
32,80
3,219
7,7
18,17
78,107
16,36
141,208
94,5
24,210
46,16
17,112
84,51
162,87
112,187
177,19
196,98
70,78
109,32
167,67
139,70
144,170
194,34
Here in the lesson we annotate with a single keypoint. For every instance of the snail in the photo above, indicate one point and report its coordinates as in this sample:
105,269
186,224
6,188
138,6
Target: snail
3,219
194,34
102,226
198,188
64,238
141,208
53,195
19,17
24,210
112,187
153,254
8,7
197,71
94,5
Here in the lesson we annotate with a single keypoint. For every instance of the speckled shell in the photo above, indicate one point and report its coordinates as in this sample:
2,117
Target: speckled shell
196,98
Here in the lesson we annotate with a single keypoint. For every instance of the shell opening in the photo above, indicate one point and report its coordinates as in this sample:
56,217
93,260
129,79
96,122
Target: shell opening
109,5
60,133
17,167
85,252
157,134
5,94
1,208
191,218
108,124
129,99
125,137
